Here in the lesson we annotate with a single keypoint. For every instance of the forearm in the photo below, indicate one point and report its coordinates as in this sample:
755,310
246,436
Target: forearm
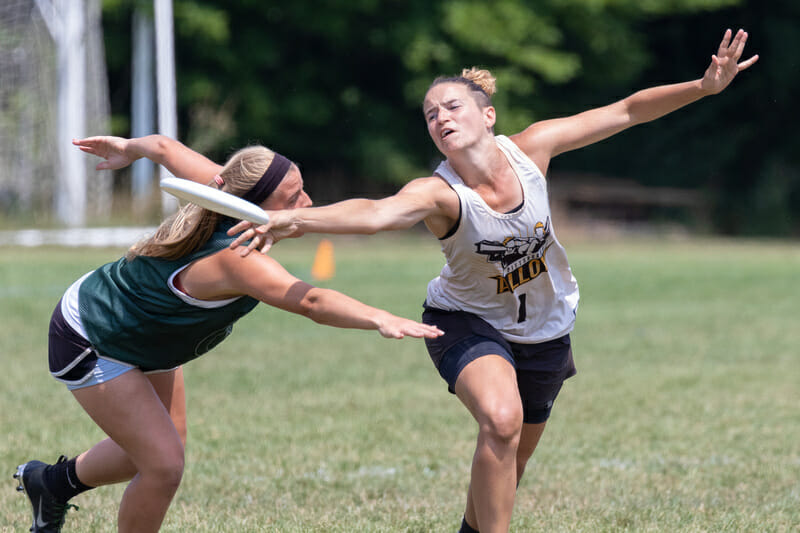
332,308
655,102
355,216
550,138
176,157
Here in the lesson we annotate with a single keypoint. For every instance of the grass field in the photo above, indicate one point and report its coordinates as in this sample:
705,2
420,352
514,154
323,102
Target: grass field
684,415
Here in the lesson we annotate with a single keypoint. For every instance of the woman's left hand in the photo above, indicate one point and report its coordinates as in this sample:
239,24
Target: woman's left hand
725,63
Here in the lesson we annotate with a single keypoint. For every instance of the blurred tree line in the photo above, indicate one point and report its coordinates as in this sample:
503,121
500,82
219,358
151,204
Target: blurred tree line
337,86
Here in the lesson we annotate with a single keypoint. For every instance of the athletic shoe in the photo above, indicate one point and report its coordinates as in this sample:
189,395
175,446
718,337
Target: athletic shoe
48,512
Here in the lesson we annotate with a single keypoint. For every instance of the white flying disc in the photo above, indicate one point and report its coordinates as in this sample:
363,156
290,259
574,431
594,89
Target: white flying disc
214,200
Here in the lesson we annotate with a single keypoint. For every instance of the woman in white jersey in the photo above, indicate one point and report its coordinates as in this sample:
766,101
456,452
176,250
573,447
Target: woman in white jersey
120,334
506,297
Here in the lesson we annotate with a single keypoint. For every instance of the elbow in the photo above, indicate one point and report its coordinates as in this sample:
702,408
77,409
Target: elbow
311,306
372,230
159,148
162,143
633,120
379,224
629,113
301,299
306,308
628,116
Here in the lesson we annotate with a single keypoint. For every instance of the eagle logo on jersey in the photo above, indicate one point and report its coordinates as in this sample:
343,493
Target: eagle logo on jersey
521,258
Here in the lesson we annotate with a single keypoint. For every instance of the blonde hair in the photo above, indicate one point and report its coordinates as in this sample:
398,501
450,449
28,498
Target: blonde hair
191,226
482,78
481,83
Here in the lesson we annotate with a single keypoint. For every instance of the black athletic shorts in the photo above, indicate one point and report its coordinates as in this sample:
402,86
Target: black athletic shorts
72,358
541,368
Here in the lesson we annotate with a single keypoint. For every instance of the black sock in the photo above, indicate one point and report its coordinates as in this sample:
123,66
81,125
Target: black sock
466,528
62,480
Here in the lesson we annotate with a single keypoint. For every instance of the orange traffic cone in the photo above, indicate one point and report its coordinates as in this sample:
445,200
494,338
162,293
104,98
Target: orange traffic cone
324,266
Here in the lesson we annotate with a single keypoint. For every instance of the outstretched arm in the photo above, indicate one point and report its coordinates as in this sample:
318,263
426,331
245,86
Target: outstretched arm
428,199
179,159
546,139
226,274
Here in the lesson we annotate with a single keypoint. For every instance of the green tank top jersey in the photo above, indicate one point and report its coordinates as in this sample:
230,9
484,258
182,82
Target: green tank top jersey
130,313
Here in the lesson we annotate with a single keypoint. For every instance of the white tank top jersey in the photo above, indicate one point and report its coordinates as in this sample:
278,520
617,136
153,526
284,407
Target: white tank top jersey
507,268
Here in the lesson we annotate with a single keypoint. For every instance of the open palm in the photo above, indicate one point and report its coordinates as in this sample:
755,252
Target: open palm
725,63
110,148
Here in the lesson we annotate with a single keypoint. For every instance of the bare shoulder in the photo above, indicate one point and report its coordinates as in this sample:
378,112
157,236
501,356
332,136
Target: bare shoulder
534,136
435,190
442,206
226,274
433,185
245,269
536,141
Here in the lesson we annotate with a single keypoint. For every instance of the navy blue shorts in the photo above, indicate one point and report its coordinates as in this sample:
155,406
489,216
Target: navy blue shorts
541,368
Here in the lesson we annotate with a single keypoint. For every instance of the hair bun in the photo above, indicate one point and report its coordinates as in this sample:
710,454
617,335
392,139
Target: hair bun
482,78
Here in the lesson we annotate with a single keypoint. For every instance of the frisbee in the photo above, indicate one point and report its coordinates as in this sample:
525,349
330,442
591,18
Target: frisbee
214,200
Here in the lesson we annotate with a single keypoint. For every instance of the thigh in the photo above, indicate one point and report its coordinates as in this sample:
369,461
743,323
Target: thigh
488,387
538,391
129,410
72,359
541,372
466,338
170,388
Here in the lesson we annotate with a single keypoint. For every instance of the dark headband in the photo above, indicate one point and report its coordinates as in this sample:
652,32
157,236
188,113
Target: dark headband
272,177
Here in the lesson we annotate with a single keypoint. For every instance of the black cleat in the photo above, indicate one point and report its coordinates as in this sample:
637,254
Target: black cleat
48,512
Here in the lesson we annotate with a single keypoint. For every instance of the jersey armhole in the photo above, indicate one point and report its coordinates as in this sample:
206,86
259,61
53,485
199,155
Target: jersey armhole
178,290
457,223
512,146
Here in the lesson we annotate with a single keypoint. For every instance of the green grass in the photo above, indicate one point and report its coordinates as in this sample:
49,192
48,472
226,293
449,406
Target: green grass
683,416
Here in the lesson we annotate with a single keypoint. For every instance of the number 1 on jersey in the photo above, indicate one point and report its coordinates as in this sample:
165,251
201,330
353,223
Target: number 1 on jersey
523,313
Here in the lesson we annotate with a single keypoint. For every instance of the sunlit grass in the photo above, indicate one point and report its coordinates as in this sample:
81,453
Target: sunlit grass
683,415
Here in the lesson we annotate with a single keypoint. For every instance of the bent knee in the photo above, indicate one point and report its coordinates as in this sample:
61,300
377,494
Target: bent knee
503,423
166,469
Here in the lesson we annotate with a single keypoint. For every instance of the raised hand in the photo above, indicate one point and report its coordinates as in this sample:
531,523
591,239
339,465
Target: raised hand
725,63
110,148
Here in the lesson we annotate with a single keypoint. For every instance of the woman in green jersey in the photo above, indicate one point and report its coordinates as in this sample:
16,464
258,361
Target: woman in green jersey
120,334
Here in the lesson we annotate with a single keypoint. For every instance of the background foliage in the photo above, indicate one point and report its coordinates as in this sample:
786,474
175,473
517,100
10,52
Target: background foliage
337,86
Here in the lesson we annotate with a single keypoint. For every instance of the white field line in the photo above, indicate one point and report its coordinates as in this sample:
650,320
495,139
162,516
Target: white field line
74,237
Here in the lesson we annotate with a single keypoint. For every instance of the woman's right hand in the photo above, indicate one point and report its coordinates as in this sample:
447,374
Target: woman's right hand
263,237
258,237
110,148
395,327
